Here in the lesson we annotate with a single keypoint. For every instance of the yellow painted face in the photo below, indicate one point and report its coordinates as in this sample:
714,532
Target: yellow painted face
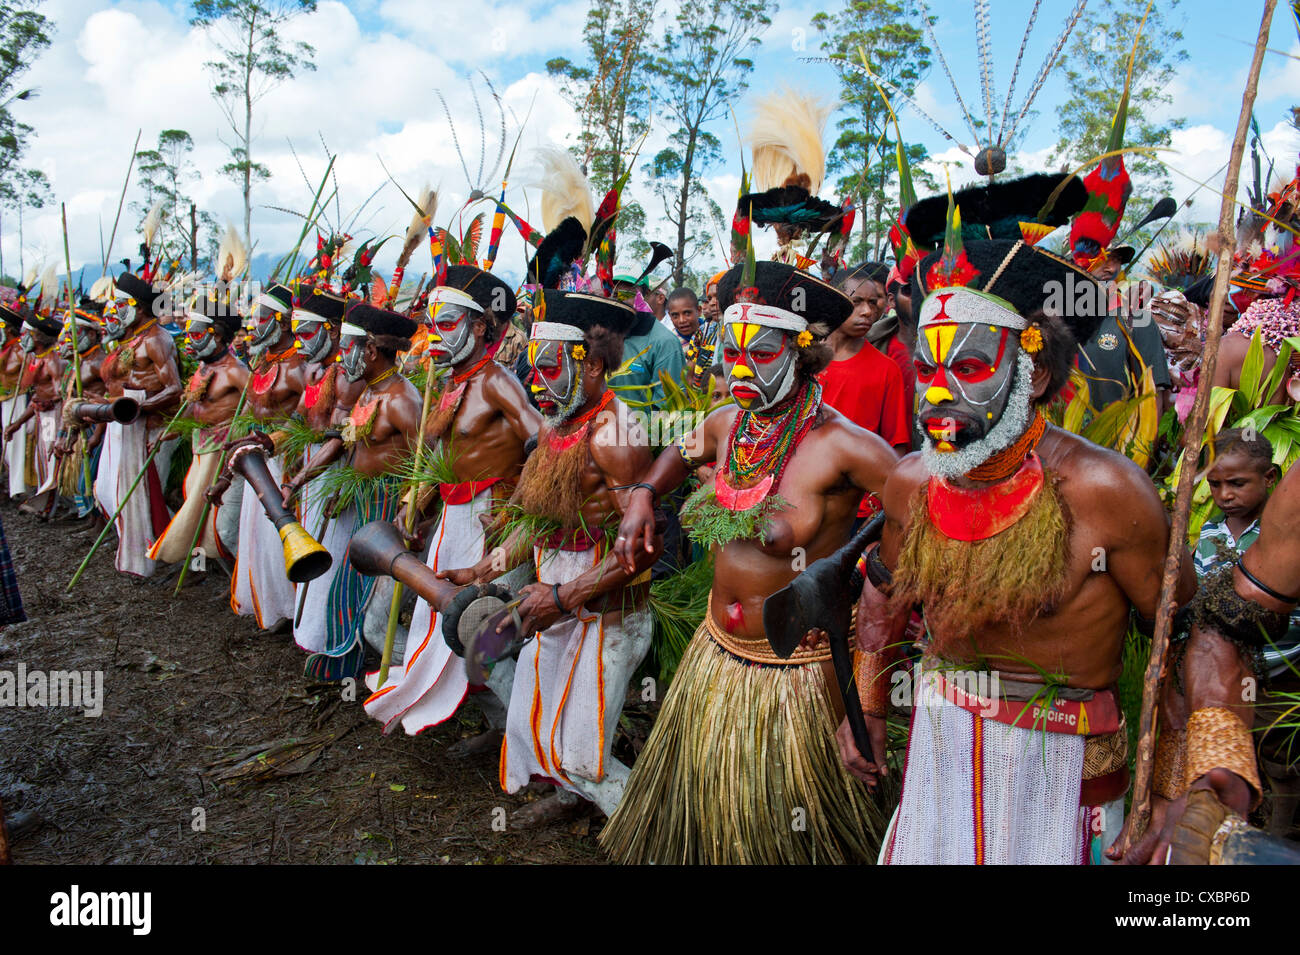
964,374
760,364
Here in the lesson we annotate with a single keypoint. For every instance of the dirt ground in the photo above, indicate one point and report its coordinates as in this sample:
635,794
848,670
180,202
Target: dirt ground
187,685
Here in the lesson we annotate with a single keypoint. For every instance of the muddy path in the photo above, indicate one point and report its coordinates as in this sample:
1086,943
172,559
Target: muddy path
186,685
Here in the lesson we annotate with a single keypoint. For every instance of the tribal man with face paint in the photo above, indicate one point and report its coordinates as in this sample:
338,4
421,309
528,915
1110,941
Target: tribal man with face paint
260,586
90,326
1025,548
479,425
586,614
13,400
377,437
213,393
742,739
328,396
42,378
141,364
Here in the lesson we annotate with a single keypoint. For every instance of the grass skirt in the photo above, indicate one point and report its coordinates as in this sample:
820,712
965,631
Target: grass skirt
742,767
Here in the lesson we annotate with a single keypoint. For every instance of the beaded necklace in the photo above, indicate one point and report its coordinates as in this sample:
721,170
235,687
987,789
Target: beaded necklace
388,374
762,445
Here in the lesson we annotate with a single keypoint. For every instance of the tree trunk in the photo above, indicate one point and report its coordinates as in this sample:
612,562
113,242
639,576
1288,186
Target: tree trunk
194,239
248,138
683,210
21,267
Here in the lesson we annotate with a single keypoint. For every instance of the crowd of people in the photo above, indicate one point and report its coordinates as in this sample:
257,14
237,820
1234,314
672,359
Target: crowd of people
874,441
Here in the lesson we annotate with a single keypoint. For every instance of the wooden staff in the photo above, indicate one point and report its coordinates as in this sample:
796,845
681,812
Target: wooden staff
112,522
390,635
76,351
1141,812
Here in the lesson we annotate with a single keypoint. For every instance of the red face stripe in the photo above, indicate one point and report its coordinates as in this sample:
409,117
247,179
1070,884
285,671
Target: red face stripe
973,370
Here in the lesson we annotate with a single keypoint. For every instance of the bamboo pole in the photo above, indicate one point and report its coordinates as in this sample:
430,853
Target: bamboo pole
1141,812
390,635
76,350
112,522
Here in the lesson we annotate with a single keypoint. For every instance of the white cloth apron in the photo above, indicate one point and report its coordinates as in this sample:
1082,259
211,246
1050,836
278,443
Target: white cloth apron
125,451
570,682
15,447
310,601
260,587
431,684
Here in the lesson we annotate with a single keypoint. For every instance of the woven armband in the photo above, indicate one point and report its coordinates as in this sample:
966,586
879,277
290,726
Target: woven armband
1218,739
873,683
680,444
1169,776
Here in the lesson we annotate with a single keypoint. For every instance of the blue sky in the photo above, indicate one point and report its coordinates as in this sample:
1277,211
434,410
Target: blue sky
380,62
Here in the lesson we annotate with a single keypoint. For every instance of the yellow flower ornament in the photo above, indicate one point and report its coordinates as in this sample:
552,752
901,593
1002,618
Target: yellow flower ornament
1031,340
804,339
579,352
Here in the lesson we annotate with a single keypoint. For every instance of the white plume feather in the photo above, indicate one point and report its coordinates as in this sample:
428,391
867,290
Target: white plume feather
232,256
151,223
565,190
786,136
49,287
101,290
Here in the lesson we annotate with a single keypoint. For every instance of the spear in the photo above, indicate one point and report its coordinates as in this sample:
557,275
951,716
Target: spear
126,182
129,491
390,635
1141,812
76,351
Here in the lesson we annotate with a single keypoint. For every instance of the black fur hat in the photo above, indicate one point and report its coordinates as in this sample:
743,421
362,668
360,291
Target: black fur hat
785,286
143,293
555,253
486,289
1027,278
995,211
380,321
321,302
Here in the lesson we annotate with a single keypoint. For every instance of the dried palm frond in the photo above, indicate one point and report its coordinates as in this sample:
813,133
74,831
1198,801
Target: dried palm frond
786,137
565,190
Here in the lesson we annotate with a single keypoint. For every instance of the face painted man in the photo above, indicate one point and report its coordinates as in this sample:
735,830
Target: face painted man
759,354
973,379
993,531
453,315
556,379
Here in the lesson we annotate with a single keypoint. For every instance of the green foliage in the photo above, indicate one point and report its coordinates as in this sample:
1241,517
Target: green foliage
24,33
699,68
1095,64
709,523
890,35
678,604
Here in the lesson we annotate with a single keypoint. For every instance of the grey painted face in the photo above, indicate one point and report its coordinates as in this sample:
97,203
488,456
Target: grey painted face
201,341
452,338
27,341
760,364
556,380
266,328
118,317
352,355
312,339
964,376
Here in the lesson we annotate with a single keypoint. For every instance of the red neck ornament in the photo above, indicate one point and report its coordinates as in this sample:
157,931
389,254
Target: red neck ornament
976,514
562,442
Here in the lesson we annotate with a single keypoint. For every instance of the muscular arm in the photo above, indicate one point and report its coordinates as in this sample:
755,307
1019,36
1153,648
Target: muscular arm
504,393
666,474
164,359
1136,537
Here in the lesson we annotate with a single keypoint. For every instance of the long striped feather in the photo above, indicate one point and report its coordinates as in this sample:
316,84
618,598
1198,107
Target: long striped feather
986,60
1015,73
943,61
1046,68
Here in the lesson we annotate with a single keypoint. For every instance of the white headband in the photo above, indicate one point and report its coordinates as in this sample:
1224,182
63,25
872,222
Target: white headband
198,318
768,316
355,330
302,315
443,295
269,301
968,306
556,332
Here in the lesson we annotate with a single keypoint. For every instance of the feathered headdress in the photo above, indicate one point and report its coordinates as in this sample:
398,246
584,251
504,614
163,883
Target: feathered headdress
786,137
565,190
232,256
426,208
